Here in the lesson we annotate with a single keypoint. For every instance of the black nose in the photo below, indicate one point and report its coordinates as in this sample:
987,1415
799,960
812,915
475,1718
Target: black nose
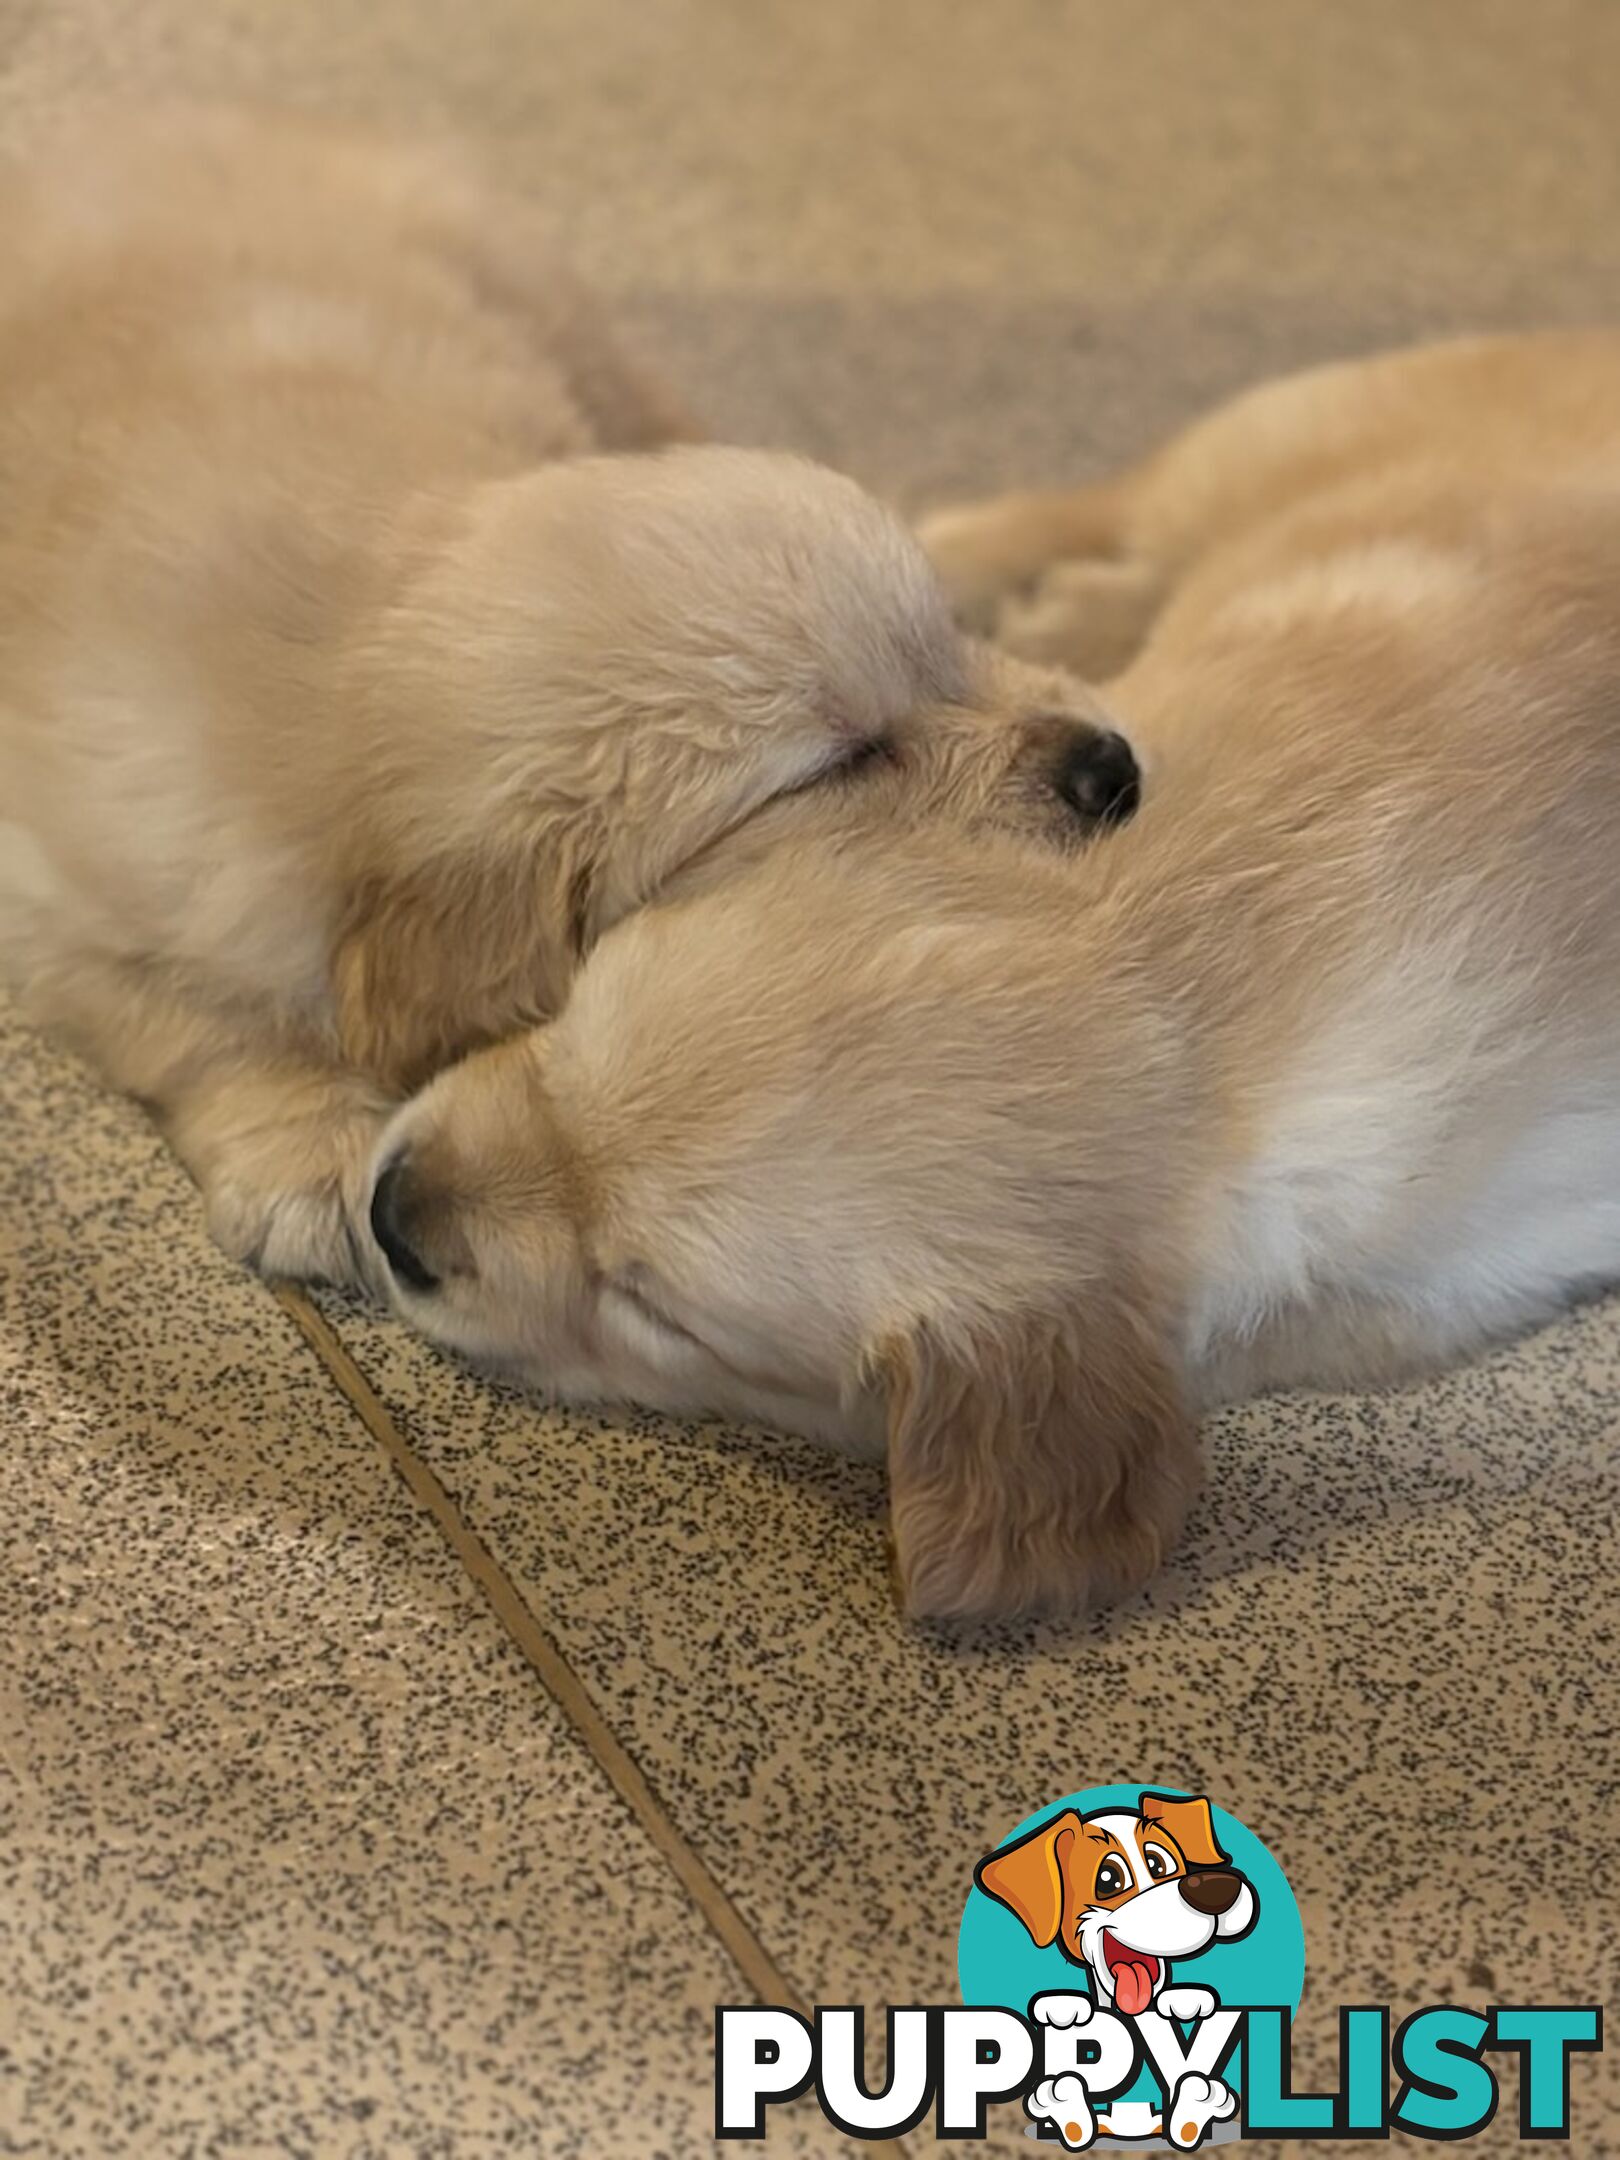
391,1227
1212,1891
1098,777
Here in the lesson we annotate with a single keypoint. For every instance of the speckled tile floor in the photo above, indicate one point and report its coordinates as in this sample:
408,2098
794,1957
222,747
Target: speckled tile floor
299,1854
341,1809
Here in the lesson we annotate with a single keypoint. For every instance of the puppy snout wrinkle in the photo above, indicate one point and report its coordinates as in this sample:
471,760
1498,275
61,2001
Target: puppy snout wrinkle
1098,776
393,1206
1212,1891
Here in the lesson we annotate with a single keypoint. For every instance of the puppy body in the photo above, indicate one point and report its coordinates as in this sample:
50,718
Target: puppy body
1310,1075
251,381
344,700
1396,454
1397,580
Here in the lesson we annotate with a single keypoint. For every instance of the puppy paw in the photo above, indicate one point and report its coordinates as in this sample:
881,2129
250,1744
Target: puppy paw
1187,2003
1066,2105
1016,570
1090,617
284,1168
298,1236
1062,2009
1196,2103
983,552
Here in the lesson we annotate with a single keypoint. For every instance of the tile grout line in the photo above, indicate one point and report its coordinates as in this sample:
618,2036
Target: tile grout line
545,1656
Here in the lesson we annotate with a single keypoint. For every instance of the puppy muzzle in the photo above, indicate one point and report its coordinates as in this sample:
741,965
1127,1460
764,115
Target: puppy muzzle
1212,1890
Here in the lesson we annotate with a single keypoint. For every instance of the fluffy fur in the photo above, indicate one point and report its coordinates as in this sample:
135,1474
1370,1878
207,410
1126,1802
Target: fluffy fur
345,699
1312,1074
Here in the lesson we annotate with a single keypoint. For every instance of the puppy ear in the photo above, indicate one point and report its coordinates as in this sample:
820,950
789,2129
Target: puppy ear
427,968
1027,1876
1190,1824
1038,1465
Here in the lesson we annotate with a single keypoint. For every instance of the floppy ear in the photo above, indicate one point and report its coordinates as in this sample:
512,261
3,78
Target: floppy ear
1191,1825
428,967
1037,1465
1027,1876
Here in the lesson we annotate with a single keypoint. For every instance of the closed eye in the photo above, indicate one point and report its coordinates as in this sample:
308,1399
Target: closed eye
850,761
637,1299
628,1287
862,756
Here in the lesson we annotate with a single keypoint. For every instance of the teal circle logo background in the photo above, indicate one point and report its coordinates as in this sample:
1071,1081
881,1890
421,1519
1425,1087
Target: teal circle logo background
998,1963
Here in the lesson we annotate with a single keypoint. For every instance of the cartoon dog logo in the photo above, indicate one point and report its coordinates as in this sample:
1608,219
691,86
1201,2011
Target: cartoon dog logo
1123,1893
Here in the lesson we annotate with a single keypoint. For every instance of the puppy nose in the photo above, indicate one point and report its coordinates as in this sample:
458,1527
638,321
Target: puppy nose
392,1209
1098,777
1212,1891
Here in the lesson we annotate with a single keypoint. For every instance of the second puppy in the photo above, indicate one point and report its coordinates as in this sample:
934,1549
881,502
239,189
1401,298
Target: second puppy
345,699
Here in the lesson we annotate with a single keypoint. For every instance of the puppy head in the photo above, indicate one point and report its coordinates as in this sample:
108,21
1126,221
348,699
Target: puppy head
1123,1892
843,1145
602,673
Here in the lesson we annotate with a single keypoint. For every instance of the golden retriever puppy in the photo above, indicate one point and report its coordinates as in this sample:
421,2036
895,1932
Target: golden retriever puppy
1014,1165
345,699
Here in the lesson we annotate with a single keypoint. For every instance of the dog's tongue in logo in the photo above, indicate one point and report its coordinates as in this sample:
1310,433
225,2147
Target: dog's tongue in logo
1135,1975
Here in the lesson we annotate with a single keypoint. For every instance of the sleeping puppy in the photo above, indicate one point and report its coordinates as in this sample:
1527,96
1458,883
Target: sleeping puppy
1311,1074
345,700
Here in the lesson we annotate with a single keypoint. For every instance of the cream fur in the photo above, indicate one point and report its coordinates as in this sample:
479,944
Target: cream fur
345,699
1312,1074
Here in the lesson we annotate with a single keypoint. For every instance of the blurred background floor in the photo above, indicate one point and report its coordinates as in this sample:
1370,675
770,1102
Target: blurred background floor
307,1846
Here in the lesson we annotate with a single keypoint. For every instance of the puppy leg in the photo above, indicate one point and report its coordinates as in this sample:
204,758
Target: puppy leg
282,1153
1064,2104
1187,2004
1196,2105
1092,617
986,550
278,1135
1052,577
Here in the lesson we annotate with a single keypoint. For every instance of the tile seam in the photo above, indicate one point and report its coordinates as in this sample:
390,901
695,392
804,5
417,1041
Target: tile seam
549,1662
